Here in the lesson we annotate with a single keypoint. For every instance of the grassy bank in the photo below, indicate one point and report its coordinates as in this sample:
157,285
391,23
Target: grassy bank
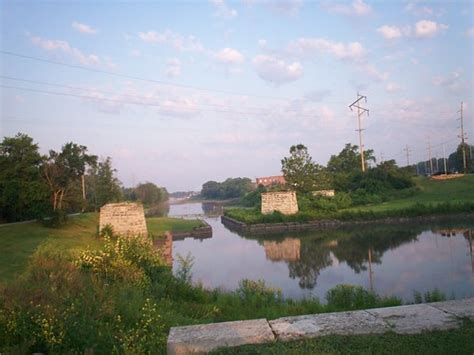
458,341
19,241
432,197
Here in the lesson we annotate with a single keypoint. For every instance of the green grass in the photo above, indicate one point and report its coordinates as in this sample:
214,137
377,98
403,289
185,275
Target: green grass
431,192
19,241
159,225
459,341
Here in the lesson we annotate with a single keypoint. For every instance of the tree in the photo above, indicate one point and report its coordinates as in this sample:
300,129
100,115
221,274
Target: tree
230,188
102,185
301,173
343,166
23,194
63,170
150,194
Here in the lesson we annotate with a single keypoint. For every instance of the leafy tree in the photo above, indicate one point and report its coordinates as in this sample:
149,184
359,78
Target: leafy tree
343,166
301,173
456,159
63,171
230,188
102,185
23,194
150,194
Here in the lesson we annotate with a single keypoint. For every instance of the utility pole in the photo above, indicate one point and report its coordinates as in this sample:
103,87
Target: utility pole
407,151
360,112
83,193
381,157
463,137
429,155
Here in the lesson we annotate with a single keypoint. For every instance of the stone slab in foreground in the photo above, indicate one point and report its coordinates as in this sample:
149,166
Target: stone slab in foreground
315,325
207,337
414,319
460,308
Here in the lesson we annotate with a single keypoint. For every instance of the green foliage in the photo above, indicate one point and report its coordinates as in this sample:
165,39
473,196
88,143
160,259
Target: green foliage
230,188
254,198
23,194
55,219
185,264
429,296
102,186
301,173
149,194
349,297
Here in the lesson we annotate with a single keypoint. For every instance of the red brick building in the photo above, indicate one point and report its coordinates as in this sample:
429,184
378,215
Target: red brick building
270,180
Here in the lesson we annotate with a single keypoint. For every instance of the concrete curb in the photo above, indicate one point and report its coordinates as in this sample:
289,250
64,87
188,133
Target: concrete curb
410,319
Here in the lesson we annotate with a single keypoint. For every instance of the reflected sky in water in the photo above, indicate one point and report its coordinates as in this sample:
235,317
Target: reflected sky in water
401,258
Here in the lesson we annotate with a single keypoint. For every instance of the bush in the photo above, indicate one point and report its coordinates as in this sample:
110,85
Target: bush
349,297
56,219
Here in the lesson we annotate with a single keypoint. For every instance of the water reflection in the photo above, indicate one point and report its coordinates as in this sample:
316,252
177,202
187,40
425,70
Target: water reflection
391,259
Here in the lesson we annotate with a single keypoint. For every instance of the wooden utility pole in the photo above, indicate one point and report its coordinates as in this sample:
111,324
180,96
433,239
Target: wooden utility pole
83,192
360,112
463,137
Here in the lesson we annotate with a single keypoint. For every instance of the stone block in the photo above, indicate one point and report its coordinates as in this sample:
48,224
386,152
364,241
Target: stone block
283,201
206,337
460,308
126,218
316,325
412,319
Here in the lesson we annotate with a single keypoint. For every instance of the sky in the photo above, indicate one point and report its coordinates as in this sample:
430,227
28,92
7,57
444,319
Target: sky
178,93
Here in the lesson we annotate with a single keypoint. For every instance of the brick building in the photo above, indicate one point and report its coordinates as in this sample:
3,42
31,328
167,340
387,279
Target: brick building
270,180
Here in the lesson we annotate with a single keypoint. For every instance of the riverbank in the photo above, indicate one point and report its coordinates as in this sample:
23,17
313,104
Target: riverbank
18,242
269,228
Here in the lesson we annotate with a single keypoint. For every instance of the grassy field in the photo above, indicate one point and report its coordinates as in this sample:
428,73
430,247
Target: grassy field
459,341
431,192
19,241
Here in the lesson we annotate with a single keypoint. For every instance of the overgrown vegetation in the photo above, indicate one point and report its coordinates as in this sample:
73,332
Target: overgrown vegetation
230,188
121,296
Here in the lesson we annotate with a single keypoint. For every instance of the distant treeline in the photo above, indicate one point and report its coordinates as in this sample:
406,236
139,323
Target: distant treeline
71,180
454,163
230,188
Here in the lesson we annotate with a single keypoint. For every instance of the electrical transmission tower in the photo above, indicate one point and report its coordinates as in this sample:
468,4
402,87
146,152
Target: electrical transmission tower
429,155
360,112
463,138
407,151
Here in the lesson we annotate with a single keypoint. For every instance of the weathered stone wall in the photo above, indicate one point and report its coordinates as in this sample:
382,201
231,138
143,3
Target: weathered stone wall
284,202
287,250
125,218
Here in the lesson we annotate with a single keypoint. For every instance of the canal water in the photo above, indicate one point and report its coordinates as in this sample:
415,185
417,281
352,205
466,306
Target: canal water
392,260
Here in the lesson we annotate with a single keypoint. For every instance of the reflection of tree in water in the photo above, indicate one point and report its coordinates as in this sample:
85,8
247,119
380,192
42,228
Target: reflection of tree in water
354,249
212,208
313,258
347,246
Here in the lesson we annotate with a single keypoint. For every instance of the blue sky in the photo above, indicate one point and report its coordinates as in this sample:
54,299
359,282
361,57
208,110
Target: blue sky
210,90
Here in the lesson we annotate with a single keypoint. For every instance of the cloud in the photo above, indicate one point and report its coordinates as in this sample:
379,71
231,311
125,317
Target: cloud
223,10
452,82
425,11
317,95
422,29
83,28
52,45
175,40
276,70
390,32
392,87
173,68
427,29
470,32
286,7
373,72
356,8
307,46
230,56
262,43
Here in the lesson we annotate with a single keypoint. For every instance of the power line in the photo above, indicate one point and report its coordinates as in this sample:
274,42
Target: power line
146,104
133,77
133,96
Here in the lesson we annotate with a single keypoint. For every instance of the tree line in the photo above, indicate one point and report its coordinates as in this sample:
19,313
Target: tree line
48,187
